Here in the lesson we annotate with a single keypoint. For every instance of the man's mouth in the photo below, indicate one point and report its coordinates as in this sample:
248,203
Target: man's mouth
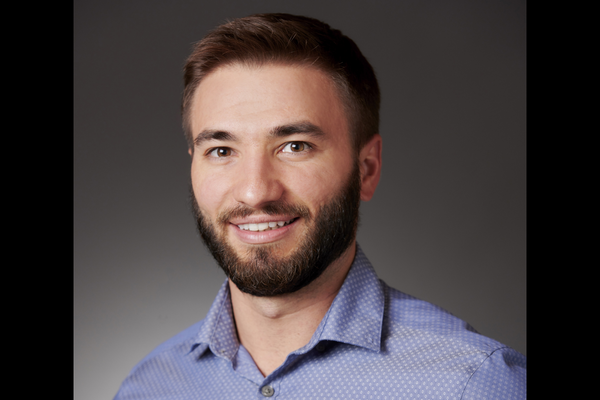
265,226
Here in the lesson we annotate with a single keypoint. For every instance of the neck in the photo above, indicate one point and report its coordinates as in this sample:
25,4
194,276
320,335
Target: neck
272,327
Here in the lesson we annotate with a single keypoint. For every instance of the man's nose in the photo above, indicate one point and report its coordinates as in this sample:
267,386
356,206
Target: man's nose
258,182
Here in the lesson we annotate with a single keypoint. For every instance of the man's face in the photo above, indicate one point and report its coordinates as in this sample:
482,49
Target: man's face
275,181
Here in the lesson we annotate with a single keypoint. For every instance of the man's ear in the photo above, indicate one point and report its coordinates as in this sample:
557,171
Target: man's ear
190,151
369,160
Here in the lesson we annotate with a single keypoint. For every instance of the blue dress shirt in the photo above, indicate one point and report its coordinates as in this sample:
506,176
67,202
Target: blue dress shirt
374,343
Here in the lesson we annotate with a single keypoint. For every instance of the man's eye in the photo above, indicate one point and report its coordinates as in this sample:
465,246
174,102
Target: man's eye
295,147
220,152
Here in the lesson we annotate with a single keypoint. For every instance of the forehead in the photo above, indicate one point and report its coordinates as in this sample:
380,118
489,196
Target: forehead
252,100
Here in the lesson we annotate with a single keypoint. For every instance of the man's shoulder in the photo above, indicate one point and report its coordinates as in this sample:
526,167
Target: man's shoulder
420,336
406,313
181,341
151,372
180,344
412,312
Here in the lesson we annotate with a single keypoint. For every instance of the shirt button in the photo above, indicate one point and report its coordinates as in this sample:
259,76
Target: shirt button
321,346
267,391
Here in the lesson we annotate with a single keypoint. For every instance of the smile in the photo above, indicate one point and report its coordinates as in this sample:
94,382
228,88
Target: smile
265,226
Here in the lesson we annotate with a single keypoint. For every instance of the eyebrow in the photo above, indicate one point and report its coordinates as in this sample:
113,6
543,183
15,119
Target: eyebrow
214,134
277,132
300,127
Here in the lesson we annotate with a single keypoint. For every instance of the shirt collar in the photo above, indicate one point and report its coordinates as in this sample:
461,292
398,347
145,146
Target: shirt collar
355,316
218,330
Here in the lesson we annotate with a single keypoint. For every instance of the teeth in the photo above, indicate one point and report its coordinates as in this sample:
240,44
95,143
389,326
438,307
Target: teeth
263,226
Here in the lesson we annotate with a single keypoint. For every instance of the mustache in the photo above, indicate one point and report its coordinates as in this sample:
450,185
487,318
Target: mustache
275,208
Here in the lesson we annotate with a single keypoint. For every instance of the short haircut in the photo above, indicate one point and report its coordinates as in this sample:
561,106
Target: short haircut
284,39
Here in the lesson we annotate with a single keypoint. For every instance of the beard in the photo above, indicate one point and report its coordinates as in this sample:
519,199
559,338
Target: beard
261,273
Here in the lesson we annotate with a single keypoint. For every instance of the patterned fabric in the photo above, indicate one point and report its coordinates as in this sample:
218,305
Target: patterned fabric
374,343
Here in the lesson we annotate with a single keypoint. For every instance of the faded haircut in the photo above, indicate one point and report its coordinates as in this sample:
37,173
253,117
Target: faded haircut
284,39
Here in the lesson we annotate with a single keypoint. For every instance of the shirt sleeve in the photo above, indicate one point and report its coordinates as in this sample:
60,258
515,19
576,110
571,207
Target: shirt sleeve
501,376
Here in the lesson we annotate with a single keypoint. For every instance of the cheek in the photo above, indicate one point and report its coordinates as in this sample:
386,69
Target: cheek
316,186
210,192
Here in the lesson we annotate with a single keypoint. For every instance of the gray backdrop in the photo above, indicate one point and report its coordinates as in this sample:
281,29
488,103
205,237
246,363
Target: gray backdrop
447,223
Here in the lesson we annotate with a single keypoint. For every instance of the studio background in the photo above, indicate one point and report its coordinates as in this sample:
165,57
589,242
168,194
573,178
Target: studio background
447,223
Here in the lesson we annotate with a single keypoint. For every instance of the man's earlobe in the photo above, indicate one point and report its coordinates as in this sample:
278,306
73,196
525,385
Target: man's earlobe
190,151
370,167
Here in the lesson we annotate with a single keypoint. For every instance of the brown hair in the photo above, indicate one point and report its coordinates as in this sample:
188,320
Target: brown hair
290,40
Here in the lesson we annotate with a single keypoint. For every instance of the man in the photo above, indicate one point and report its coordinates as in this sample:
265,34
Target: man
281,115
